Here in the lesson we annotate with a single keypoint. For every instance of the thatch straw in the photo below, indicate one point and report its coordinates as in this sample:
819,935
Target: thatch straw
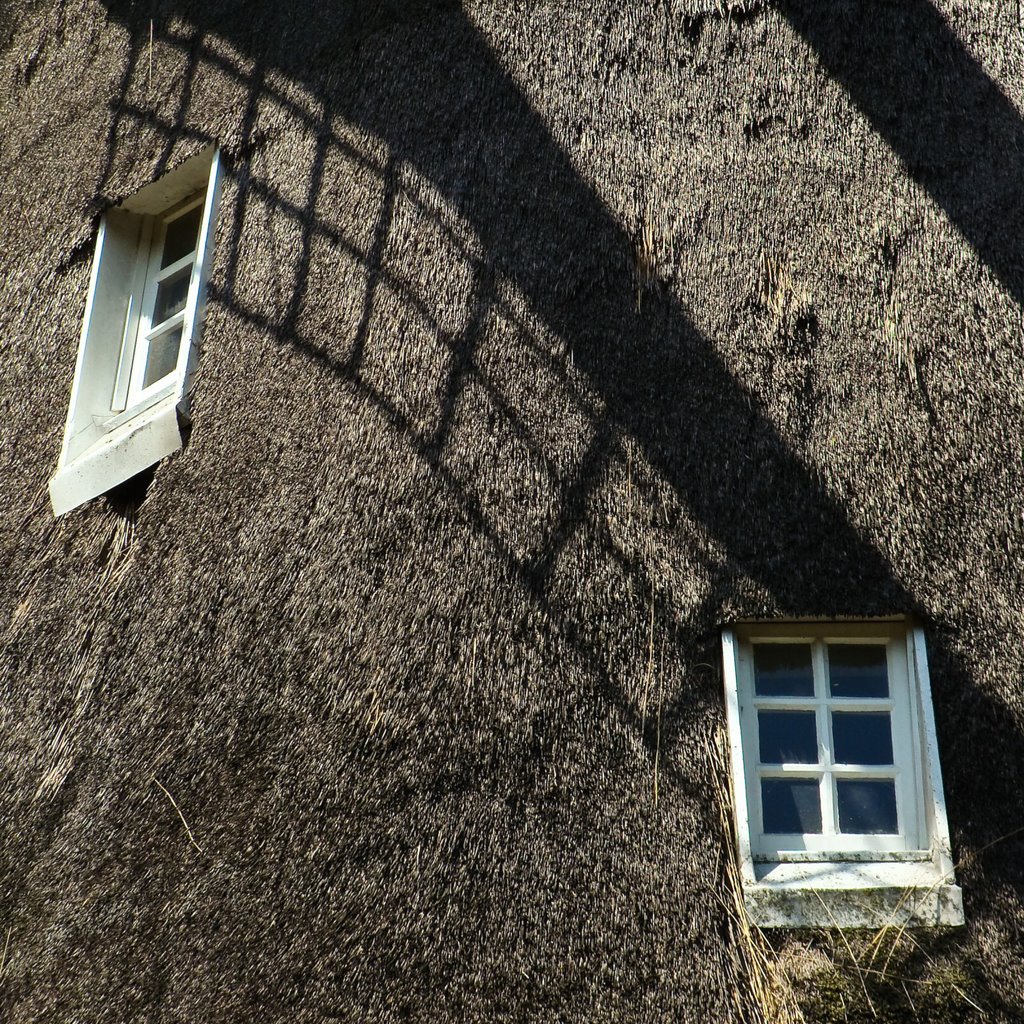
416,619
762,986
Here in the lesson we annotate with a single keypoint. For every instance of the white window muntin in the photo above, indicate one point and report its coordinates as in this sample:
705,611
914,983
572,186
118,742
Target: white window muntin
831,844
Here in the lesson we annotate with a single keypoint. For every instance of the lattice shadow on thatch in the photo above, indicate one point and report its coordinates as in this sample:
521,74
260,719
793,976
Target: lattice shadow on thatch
540,225
571,259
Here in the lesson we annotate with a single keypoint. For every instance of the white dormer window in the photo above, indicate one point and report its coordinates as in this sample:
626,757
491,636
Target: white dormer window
140,333
838,793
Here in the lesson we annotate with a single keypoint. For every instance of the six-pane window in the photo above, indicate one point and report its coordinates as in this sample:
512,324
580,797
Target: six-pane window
828,743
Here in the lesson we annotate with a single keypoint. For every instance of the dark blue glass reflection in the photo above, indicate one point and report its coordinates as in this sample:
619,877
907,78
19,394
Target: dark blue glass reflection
867,806
790,806
858,670
861,737
783,670
787,737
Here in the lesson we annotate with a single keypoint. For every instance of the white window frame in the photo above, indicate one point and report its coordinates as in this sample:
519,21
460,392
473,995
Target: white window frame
834,878
130,392
117,425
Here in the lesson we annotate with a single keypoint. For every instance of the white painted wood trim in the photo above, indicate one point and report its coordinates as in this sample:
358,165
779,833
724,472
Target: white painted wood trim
941,844
118,456
739,780
105,443
90,301
133,319
195,307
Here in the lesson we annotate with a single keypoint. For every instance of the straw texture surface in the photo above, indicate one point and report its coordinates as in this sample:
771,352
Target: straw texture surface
542,340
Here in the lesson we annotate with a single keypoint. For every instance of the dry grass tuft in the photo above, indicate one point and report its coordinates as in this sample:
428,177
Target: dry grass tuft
896,335
790,306
730,9
645,258
833,975
763,984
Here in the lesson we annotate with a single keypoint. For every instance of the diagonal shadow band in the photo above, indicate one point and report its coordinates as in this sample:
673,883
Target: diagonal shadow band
474,135
462,122
467,127
932,102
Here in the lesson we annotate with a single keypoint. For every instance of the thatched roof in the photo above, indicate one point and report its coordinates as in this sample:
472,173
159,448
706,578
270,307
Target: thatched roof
542,340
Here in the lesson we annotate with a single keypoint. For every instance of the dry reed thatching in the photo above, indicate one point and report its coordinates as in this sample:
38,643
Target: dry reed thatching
410,631
762,986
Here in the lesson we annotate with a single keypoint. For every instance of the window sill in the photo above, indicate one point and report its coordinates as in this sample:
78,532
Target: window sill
111,423
131,445
865,894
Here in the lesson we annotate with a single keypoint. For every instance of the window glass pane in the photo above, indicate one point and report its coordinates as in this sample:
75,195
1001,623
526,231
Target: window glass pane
787,737
867,806
858,670
861,737
172,294
182,234
790,806
783,670
163,356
